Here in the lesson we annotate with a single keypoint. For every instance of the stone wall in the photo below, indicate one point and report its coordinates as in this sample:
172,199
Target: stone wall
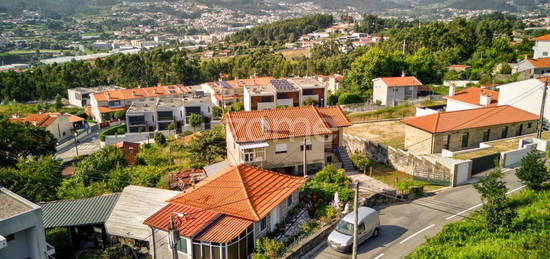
421,167
311,242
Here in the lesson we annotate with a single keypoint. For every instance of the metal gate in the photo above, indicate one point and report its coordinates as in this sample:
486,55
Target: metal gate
484,163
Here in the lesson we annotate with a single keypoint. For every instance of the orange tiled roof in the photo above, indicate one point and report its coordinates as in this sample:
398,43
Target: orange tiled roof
224,229
467,119
282,123
195,219
241,191
105,109
540,62
459,66
471,95
400,81
73,118
135,93
543,37
38,119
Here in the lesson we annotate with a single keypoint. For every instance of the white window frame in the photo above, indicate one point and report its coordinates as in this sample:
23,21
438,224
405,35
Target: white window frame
281,148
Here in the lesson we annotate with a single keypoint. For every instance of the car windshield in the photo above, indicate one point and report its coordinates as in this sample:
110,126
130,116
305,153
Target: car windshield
345,228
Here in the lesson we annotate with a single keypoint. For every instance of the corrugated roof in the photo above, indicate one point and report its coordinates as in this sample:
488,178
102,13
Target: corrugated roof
472,95
136,203
81,212
284,123
194,219
472,118
224,229
241,191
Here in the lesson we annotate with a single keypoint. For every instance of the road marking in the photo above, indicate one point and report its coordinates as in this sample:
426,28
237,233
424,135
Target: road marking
380,255
473,207
519,188
466,210
413,235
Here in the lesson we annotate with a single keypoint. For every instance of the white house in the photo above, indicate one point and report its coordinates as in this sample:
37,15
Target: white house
59,125
470,98
542,46
533,67
391,90
525,95
21,228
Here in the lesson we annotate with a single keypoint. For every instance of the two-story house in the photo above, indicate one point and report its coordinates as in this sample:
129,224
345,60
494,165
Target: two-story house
227,93
275,139
392,90
312,91
104,104
159,113
223,215
542,46
80,96
60,125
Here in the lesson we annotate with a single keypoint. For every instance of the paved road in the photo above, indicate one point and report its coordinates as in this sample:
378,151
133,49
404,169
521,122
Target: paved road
87,145
404,226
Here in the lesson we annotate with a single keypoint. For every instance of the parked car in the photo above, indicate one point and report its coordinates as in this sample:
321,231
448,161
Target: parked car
341,238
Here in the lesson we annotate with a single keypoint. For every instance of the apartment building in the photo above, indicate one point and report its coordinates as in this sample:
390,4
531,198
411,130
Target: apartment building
80,96
275,139
227,93
105,104
159,113
466,129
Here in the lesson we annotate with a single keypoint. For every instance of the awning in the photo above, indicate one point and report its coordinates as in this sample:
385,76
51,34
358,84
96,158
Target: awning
254,145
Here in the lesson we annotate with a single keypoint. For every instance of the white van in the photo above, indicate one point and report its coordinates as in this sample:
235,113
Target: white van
341,238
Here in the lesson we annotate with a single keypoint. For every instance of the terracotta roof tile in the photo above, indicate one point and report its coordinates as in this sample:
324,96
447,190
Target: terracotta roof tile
540,63
543,37
224,229
284,123
73,118
467,119
195,219
38,119
400,81
135,93
104,109
241,191
472,95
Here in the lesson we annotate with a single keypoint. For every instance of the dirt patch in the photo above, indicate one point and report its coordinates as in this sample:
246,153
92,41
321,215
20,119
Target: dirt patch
391,133
295,52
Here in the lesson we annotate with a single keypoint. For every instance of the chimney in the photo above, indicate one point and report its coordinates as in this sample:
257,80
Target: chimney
133,93
15,116
452,89
264,125
484,100
154,91
403,74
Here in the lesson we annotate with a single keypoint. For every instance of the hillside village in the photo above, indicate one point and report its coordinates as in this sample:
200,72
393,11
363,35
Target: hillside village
266,165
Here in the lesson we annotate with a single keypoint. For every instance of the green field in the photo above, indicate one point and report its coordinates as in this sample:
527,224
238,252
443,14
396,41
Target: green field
26,52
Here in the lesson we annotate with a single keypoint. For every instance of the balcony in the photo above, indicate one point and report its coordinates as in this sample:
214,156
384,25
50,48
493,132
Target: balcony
285,102
266,105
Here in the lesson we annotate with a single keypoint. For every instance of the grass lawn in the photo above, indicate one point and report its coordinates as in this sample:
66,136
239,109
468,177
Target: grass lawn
391,133
24,109
443,90
393,177
295,52
23,52
400,111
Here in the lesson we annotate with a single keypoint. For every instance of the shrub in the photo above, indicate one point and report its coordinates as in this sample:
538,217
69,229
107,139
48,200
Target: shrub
60,239
120,129
348,98
360,162
328,181
159,138
326,213
269,248
309,227
532,171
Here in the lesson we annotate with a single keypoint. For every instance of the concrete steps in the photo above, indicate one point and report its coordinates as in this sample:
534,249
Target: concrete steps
345,159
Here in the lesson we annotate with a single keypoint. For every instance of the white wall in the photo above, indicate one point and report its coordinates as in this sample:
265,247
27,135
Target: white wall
523,95
513,158
541,48
459,83
247,103
380,92
424,111
453,105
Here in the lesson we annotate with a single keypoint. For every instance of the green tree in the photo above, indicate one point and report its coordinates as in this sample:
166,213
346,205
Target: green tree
532,171
195,120
238,106
74,188
328,181
348,98
208,147
36,179
58,102
495,209
171,127
159,138
360,162
98,165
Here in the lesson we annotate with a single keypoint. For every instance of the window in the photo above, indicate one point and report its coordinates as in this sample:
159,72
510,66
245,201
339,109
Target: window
529,125
504,132
289,201
308,147
263,224
267,99
544,54
519,130
465,137
308,92
361,228
249,157
280,148
486,135
182,245
446,141
114,103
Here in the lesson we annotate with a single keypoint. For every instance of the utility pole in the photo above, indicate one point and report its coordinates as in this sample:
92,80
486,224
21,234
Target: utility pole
541,118
75,142
355,219
305,158
174,236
